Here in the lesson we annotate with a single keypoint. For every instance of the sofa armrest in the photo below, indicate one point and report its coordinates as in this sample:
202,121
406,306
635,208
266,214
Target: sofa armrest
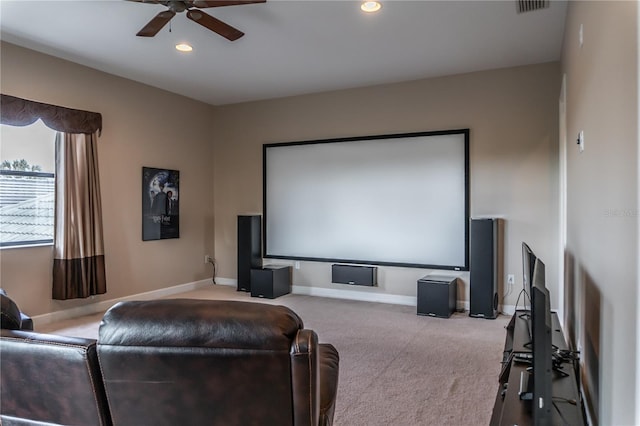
305,372
315,380
10,315
329,367
26,323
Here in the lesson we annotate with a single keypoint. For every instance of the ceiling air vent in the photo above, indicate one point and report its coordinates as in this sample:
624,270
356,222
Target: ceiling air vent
531,5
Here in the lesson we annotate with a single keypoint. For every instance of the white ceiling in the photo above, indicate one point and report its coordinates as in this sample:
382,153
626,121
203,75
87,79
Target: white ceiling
290,47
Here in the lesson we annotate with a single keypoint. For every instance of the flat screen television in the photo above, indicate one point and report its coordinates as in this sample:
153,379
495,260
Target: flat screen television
528,262
542,362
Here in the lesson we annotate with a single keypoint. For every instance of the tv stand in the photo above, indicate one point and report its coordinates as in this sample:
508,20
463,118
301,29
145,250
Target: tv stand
512,407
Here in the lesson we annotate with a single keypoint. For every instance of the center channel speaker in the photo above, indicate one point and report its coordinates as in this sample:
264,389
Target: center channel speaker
485,267
354,275
249,249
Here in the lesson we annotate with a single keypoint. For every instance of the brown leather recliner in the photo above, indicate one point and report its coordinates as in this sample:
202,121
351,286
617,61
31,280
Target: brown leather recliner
47,379
207,362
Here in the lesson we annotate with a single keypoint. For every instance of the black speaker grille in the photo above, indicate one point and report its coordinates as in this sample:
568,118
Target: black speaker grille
483,285
356,275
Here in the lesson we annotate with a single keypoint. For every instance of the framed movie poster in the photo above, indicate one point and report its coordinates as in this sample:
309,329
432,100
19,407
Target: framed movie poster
160,204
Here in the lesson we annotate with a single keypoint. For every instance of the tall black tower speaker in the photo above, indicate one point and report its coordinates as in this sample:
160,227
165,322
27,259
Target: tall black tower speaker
249,249
485,267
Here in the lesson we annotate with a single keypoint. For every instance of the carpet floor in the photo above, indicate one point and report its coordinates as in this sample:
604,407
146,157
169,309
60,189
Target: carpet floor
396,367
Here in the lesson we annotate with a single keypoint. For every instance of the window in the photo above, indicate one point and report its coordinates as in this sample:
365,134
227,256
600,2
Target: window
27,185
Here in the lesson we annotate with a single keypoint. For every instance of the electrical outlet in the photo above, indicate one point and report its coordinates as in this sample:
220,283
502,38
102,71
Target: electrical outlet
297,265
207,259
511,279
581,140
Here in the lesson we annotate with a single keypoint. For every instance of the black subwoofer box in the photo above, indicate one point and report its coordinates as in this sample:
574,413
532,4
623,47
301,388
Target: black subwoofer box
437,296
271,281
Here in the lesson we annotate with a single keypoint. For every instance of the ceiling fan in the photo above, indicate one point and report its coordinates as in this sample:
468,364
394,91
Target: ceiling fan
195,14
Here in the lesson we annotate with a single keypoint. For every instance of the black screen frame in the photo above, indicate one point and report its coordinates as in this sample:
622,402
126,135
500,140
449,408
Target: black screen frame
465,132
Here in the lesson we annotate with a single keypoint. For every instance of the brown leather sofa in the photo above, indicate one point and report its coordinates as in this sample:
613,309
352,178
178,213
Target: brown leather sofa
179,361
47,379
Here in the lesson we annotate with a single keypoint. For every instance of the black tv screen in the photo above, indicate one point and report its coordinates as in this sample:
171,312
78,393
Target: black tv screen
399,199
528,263
541,402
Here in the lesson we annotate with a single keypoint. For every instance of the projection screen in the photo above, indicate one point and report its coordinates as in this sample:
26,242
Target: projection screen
398,199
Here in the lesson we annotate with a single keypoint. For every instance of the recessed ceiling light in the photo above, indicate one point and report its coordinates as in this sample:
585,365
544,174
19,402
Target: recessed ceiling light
184,47
371,6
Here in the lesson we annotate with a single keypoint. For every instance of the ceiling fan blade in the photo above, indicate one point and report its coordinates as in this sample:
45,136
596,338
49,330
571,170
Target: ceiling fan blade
156,24
218,3
215,25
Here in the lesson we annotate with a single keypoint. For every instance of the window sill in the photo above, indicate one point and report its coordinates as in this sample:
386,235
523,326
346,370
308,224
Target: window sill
28,245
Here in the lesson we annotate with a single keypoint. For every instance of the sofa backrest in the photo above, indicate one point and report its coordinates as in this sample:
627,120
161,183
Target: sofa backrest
49,379
209,362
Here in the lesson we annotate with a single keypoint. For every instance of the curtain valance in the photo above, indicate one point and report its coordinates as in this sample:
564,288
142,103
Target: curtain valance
21,112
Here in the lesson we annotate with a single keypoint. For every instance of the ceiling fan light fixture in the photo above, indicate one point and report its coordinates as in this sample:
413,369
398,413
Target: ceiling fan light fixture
184,47
371,6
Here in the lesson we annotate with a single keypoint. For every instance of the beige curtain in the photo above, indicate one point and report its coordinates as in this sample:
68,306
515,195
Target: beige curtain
78,264
78,261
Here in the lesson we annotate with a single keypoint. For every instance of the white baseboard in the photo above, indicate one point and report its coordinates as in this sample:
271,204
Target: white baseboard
227,281
395,299
363,296
333,293
461,305
103,305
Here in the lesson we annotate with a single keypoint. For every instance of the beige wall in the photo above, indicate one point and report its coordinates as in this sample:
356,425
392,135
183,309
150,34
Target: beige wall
142,126
513,117
602,201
